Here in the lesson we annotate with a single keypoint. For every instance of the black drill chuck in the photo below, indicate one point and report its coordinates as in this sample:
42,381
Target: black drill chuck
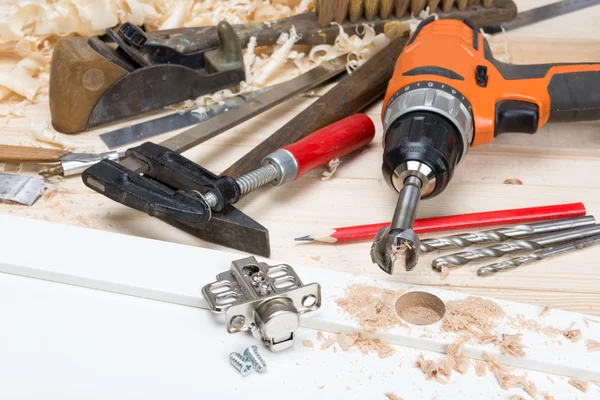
425,137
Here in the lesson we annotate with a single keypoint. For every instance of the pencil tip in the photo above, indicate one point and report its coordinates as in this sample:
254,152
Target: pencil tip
307,238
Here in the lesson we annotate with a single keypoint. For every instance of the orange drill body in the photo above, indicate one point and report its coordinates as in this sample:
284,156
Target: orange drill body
449,44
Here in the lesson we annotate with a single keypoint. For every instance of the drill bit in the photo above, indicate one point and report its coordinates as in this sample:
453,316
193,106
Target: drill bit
538,255
400,242
499,250
504,234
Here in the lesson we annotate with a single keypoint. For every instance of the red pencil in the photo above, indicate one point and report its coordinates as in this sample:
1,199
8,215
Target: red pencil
455,222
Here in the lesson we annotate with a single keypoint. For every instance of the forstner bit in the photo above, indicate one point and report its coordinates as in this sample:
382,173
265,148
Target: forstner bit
538,255
504,234
499,250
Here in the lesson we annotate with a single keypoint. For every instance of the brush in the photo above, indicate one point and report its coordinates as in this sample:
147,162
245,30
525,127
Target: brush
340,10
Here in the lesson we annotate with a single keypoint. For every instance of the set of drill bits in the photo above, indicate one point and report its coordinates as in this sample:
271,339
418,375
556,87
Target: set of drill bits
542,240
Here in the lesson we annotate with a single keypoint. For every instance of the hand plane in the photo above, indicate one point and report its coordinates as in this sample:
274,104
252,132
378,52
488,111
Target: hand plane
97,80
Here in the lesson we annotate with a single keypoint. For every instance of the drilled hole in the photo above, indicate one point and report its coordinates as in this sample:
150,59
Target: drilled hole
220,287
226,298
420,308
278,271
309,301
285,282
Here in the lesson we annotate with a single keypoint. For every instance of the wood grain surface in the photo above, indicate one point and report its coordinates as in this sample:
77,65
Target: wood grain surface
560,164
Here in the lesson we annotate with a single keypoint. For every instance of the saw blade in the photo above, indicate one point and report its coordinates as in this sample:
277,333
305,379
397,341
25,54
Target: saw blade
169,123
542,13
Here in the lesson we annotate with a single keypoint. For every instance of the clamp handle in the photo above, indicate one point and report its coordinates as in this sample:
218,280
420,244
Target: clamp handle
333,141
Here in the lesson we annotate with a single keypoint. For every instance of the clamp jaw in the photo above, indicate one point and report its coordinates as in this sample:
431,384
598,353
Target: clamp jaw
171,189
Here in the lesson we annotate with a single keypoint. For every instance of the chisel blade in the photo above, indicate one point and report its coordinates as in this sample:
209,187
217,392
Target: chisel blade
20,189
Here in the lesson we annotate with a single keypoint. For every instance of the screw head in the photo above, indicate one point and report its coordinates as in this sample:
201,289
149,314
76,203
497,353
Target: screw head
238,322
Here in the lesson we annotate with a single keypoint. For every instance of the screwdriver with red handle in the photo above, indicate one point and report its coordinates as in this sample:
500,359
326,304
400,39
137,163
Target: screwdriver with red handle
294,160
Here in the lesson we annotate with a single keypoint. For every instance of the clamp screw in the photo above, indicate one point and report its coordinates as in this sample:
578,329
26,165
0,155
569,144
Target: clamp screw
255,358
240,363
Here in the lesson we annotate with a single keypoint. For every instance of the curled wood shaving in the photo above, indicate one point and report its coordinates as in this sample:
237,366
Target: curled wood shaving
592,345
393,396
440,370
530,388
547,396
331,168
486,339
573,335
579,384
42,132
511,345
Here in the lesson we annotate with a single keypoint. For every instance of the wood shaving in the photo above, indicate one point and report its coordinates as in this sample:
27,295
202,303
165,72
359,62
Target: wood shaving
373,307
573,335
579,384
308,343
513,181
592,345
516,397
445,272
486,339
480,368
331,168
545,311
494,364
473,316
457,361
547,396
42,132
441,371
550,379
320,335
511,345
393,396
530,388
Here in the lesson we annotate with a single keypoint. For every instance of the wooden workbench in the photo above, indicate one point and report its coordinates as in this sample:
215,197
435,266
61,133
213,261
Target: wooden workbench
560,164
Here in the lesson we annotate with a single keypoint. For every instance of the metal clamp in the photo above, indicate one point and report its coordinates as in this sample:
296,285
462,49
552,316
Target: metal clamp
266,300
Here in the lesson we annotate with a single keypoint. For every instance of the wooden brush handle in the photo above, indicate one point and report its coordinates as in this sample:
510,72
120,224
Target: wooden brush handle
19,154
355,92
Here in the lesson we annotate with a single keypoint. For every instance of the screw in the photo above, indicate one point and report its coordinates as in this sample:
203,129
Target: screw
240,363
255,358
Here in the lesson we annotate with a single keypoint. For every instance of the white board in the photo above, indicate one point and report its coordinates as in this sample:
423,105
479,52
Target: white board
175,273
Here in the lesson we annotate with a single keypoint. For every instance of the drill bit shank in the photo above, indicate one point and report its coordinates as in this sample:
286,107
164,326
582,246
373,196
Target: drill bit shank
400,242
504,234
462,258
538,255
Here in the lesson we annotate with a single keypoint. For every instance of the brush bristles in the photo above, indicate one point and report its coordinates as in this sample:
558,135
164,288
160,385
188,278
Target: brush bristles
340,10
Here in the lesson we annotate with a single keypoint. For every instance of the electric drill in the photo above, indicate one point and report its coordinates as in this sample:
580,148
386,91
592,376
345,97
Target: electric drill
447,94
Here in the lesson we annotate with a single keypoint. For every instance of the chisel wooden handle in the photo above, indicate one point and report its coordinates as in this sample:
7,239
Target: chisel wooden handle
351,95
19,154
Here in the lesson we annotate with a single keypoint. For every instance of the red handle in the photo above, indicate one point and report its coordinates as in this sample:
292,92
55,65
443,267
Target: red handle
333,141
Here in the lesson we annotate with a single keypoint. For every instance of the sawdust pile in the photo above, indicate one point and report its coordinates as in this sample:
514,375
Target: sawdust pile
579,384
393,396
534,326
511,345
473,316
374,308
360,340
592,345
